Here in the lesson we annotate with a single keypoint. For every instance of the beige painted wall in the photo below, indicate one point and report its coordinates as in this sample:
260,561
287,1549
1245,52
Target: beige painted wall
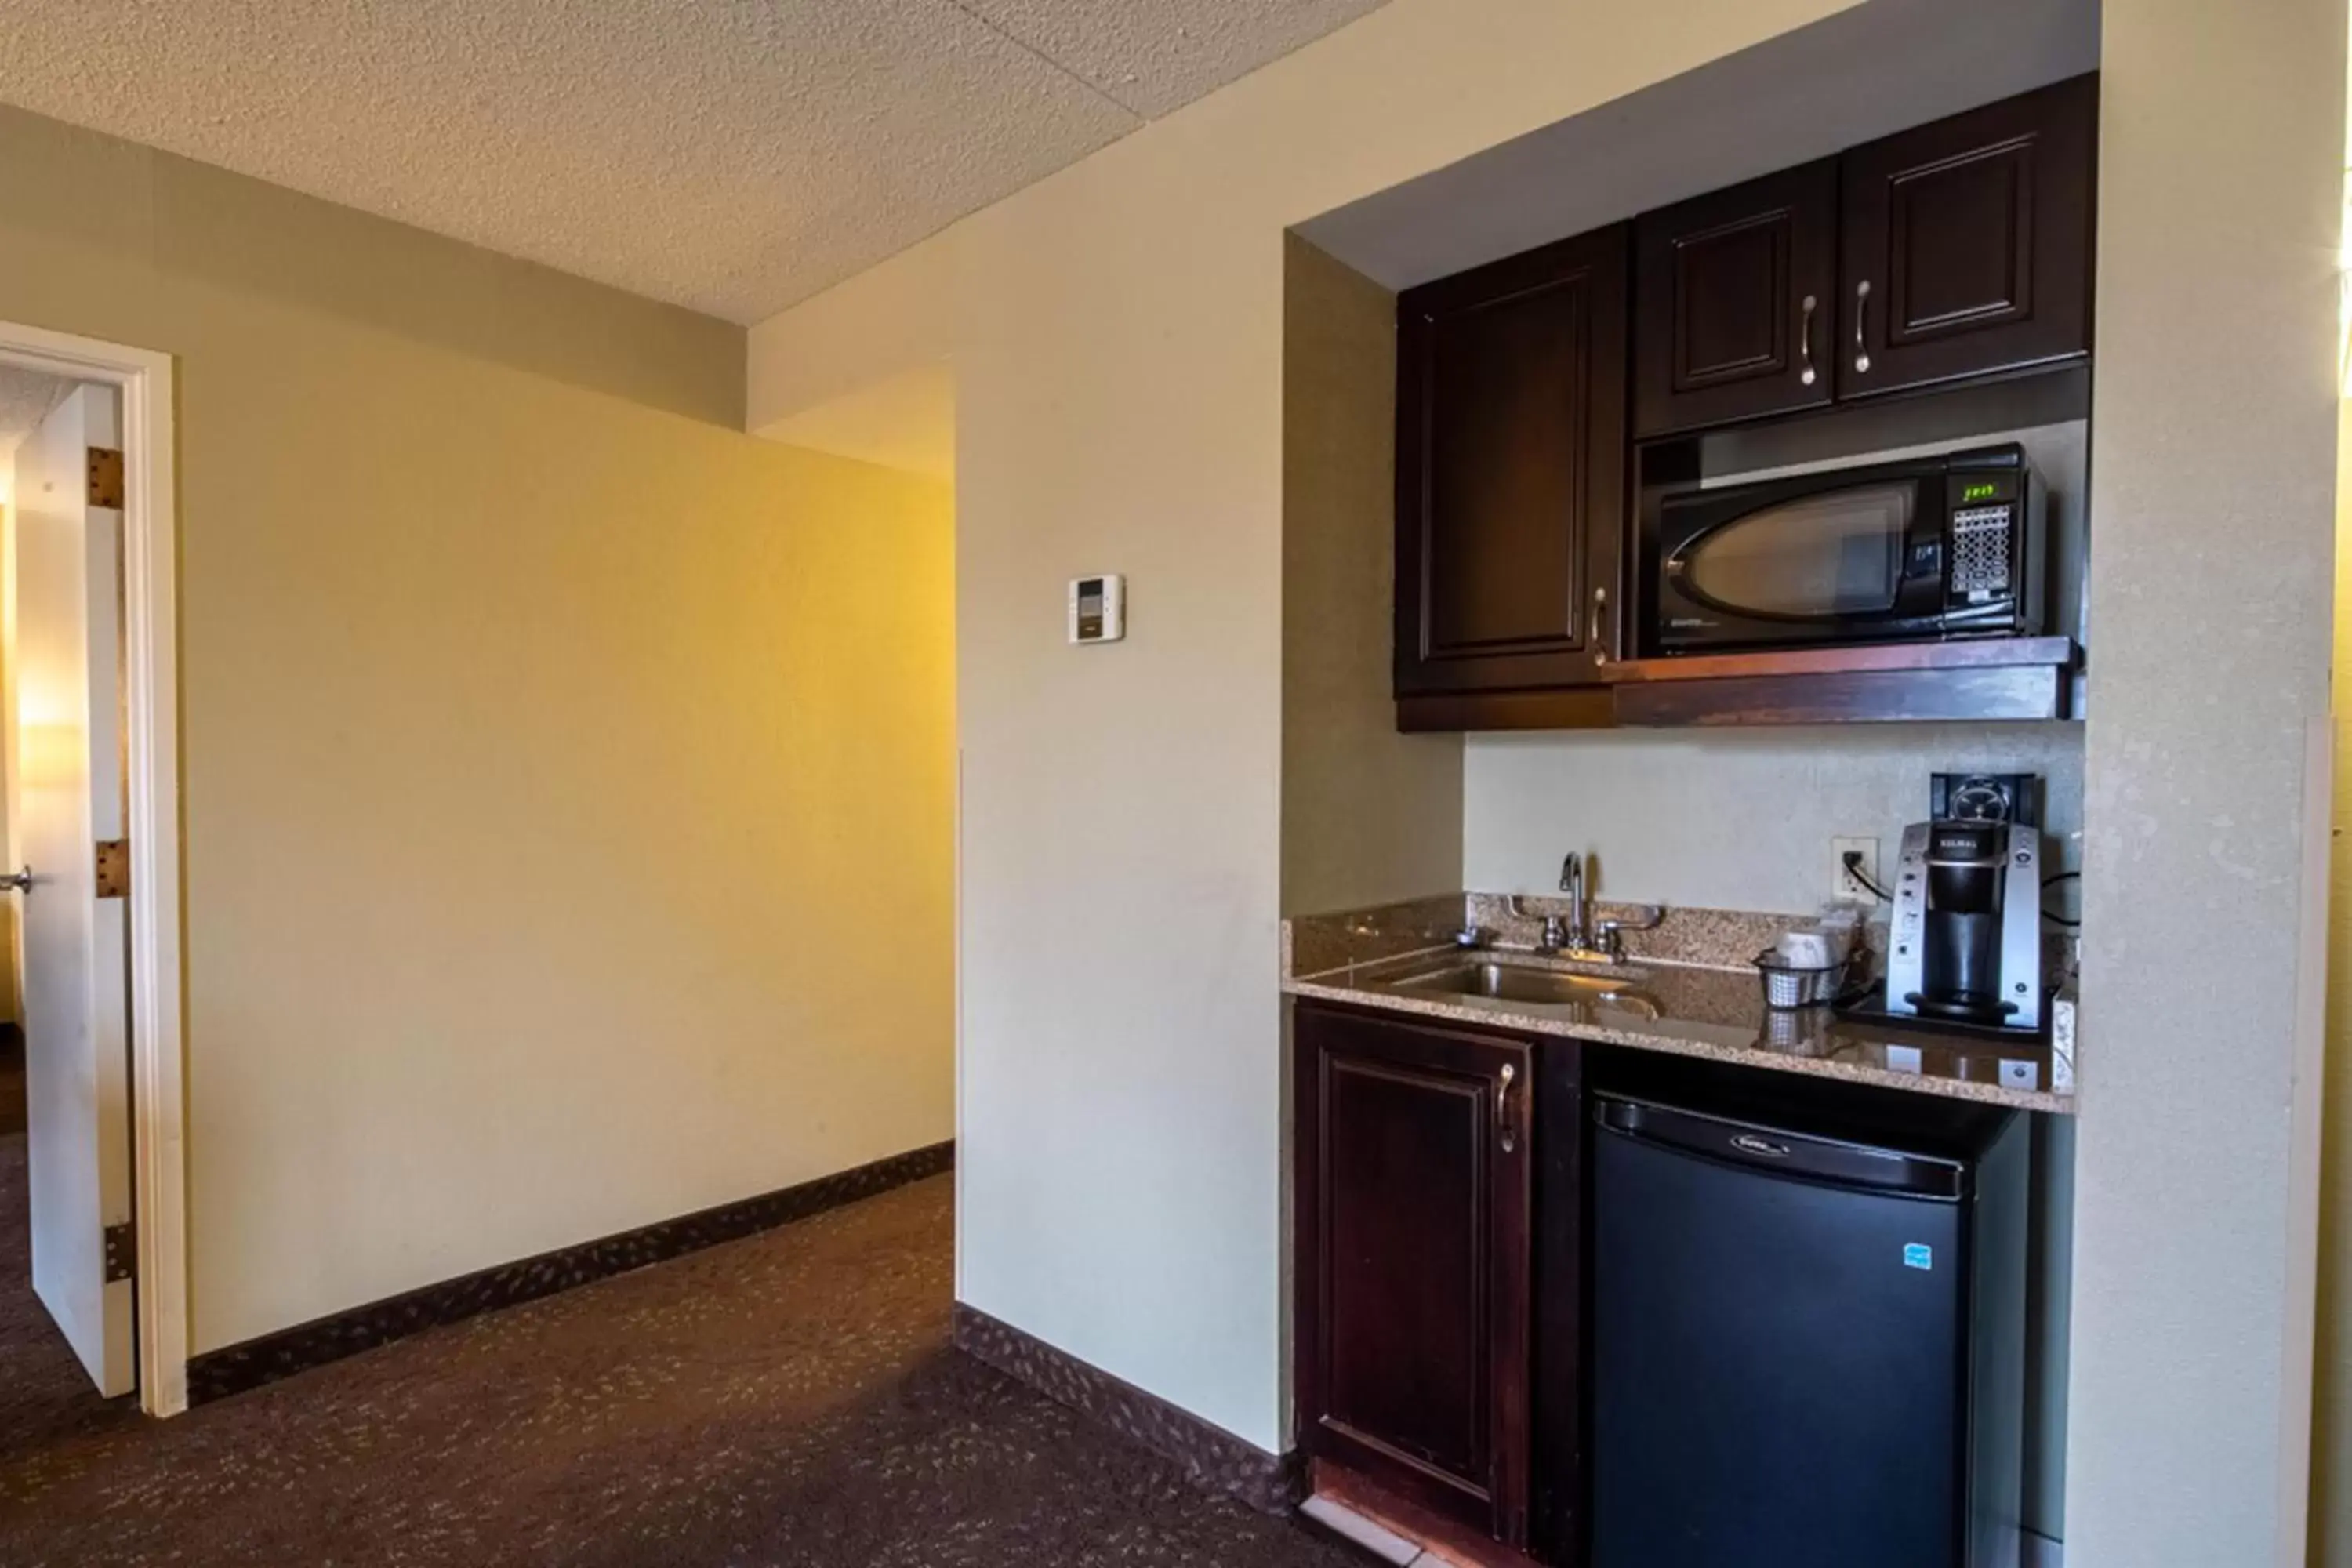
1367,814
2221,140
892,320
1117,332
2331,1489
568,775
2331,1512
905,421
1737,819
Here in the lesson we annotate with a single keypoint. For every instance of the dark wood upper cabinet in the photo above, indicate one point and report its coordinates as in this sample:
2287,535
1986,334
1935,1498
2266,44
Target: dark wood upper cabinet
1957,252
1967,243
1414,1272
1736,295
1511,445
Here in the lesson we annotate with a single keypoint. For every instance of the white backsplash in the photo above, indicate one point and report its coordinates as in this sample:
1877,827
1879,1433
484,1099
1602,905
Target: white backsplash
1734,819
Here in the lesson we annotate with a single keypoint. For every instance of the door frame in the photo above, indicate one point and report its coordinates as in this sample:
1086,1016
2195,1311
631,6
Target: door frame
143,378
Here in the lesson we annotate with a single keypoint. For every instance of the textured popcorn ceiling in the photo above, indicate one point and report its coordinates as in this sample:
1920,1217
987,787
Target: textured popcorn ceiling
26,398
731,155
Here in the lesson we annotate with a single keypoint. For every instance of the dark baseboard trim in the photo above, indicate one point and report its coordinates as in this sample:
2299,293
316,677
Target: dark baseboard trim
1211,1457
233,1369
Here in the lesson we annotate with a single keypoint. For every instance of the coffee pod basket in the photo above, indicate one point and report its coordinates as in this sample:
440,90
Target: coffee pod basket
1789,985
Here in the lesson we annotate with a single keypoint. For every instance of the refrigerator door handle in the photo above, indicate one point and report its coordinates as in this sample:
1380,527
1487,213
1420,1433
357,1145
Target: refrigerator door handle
1804,1158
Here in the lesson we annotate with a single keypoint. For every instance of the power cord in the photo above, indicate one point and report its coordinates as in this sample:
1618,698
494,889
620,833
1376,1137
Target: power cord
2051,881
1854,859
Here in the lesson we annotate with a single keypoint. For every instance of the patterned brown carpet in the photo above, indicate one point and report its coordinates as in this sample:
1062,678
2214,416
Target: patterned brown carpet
784,1400
12,1080
51,1421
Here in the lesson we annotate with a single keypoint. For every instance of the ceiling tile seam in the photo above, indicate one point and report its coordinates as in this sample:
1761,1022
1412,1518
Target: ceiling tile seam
1023,44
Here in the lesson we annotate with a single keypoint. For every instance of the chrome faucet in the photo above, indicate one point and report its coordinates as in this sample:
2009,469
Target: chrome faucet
1571,882
1576,934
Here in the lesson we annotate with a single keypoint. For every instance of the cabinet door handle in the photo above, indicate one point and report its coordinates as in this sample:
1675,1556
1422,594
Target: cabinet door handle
1600,608
1503,1108
1861,309
1805,342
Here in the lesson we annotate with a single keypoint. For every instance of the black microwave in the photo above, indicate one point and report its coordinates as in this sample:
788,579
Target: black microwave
1946,546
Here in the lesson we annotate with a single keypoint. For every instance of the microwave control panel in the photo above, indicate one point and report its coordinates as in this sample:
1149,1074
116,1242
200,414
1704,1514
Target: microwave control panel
1982,538
1980,553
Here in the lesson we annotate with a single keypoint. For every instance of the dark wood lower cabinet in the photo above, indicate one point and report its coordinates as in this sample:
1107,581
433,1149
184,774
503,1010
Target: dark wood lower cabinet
1416,1158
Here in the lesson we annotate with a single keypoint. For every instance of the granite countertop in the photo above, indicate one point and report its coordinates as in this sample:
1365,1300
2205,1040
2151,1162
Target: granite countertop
1688,989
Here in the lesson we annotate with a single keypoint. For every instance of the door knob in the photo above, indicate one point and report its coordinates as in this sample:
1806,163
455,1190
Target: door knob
20,880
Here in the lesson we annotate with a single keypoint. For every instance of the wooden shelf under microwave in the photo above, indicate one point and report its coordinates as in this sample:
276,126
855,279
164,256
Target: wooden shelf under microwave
1986,679
1992,678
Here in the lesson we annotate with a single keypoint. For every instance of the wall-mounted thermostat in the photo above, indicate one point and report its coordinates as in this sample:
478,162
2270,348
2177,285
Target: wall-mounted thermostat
1097,608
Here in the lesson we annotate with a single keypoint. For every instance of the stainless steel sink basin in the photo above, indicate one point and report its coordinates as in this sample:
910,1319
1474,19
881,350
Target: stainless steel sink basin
1518,983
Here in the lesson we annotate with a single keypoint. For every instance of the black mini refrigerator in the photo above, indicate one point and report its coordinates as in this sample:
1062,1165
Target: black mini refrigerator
1807,1335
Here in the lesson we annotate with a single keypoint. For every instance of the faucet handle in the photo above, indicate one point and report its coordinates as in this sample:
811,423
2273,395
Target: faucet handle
1609,935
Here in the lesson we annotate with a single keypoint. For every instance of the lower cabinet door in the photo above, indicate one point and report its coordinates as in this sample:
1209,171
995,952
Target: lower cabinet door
1415,1261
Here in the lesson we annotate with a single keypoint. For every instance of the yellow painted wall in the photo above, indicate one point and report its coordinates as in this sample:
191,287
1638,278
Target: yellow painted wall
568,775
12,1003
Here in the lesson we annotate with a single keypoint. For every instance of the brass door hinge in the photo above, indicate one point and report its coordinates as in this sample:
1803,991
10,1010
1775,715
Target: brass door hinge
106,476
113,868
121,1242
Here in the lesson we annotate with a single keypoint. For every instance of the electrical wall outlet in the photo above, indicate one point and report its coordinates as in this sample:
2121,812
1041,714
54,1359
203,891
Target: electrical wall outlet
1844,887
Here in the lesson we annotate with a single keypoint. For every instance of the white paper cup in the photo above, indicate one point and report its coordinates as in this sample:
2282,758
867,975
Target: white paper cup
1807,949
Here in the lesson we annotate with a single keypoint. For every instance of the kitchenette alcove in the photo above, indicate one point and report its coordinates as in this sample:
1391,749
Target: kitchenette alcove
1497,379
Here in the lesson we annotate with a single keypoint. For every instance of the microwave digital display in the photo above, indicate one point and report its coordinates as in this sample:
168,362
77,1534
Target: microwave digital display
1978,489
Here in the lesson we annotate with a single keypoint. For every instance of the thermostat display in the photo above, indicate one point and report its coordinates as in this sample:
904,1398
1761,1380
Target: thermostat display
1097,608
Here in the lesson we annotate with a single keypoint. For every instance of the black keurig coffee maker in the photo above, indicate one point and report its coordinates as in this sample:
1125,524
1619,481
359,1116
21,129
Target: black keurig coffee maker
1964,943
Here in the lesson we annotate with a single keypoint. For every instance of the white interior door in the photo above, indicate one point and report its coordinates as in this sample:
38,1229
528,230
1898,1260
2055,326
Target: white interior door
71,797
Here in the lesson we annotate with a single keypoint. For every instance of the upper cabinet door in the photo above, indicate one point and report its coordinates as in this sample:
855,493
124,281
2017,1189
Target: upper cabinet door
1736,298
1967,245
1511,469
